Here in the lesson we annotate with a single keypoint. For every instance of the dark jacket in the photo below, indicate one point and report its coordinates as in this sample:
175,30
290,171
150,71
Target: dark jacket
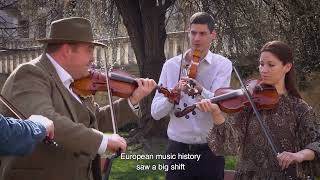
35,88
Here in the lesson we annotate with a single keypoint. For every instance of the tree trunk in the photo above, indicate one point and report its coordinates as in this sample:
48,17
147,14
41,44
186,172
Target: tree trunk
145,23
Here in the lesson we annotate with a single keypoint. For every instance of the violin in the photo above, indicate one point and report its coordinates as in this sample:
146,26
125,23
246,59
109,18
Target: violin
192,73
122,85
193,69
230,100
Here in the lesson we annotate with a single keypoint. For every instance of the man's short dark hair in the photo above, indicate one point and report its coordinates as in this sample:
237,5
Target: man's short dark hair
203,18
51,48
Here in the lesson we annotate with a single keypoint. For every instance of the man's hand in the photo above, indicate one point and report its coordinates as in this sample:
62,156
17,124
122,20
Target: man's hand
145,87
47,123
197,85
116,142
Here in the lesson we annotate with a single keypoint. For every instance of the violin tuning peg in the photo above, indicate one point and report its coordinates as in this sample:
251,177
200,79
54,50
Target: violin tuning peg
192,83
187,116
194,113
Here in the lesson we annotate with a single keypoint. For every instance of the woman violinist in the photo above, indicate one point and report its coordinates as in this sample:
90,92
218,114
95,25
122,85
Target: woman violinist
293,125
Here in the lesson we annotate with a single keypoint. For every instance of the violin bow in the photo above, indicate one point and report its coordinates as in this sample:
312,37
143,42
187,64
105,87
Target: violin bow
21,116
183,51
290,172
184,39
108,162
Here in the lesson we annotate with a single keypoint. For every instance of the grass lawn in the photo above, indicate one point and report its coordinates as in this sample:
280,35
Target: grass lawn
124,169
127,169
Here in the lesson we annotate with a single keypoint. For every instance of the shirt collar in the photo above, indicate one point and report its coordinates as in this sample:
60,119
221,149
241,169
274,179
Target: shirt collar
208,58
64,76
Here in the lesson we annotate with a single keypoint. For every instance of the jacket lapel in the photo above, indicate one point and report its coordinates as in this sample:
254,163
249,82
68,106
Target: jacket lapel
45,62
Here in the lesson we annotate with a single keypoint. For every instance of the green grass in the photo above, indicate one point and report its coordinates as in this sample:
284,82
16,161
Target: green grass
126,169
230,162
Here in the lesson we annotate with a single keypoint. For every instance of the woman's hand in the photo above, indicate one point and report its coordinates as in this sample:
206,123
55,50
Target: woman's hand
206,106
287,158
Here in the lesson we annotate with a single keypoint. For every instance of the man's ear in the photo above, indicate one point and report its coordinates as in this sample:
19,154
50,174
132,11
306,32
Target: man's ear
65,50
213,35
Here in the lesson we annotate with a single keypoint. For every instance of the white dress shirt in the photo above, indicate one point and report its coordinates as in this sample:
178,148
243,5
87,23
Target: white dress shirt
67,79
214,72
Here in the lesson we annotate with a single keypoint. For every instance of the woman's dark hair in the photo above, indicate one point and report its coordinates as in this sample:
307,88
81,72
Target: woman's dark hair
284,53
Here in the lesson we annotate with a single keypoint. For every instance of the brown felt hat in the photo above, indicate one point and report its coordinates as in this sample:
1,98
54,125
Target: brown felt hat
70,30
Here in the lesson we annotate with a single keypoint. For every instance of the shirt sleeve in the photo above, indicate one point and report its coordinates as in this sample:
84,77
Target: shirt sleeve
223,76
161,106
207,94
222,80
19,137
135,108
104,144
226,138
309,129
309,133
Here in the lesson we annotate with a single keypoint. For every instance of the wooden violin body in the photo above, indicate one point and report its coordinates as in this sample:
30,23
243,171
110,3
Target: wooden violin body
230,100
264,96
122,85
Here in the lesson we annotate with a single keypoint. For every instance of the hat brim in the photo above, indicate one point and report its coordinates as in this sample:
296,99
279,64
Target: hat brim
61,41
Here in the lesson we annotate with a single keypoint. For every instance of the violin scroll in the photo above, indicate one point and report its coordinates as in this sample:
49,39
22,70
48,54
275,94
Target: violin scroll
184,112
196,55
173,95
191,89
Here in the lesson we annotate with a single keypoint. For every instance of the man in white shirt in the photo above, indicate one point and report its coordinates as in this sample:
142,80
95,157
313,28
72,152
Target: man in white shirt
188,135
42,86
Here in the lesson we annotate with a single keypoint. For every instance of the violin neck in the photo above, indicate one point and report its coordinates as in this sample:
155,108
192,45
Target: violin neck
229,95
159,87
122,78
